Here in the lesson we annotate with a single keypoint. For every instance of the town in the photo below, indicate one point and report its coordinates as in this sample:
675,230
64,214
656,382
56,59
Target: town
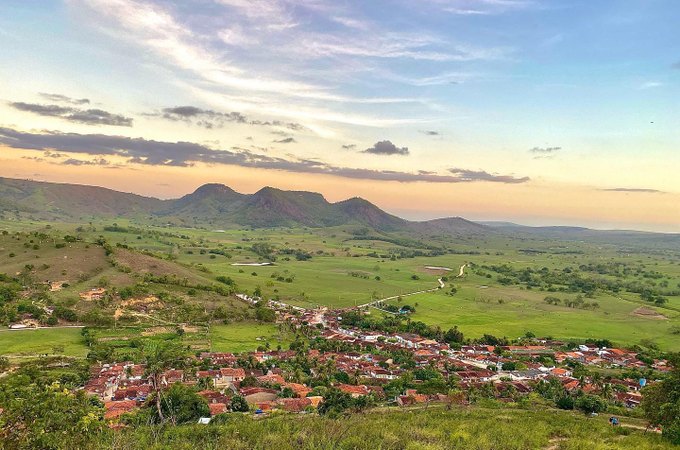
403,369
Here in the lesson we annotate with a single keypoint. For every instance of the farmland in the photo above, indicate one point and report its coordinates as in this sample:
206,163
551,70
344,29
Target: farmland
331,267
67,341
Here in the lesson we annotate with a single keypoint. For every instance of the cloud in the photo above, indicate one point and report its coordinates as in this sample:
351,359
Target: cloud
59,98
182,154
480,175
481,7
80,162
349,146
288,140
386,148
73,114
430,132
633,190
208,118
544,150
650,85
676,65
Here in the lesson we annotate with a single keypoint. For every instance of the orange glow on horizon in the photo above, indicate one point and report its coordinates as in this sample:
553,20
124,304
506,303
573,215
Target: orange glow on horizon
533,203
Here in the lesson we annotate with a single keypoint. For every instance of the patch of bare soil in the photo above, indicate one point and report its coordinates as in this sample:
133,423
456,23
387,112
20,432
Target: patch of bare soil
433,270
150,300
554,443
648,313
156,330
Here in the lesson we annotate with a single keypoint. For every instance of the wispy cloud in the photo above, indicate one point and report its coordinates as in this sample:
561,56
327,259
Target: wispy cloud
59,98
73,114
430,132
209,119
544,150
288,140
650,85
481,7
183,154
633,190
480,175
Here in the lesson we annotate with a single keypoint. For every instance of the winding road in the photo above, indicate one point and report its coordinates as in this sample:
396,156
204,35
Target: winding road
461,273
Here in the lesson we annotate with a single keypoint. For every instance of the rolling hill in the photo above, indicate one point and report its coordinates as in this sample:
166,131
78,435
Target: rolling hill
212,205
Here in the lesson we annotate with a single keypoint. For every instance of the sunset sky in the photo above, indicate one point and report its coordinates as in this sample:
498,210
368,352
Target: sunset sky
532,111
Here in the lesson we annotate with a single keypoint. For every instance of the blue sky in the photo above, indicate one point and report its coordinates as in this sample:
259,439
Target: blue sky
469,97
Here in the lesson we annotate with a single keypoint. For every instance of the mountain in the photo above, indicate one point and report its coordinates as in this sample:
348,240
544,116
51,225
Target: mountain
212,205
70,201
451,225
621,238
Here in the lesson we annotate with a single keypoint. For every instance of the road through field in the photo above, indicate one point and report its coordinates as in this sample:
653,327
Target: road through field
462,271
374,302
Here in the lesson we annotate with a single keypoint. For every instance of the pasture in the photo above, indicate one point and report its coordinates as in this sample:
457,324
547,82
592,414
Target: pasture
37,342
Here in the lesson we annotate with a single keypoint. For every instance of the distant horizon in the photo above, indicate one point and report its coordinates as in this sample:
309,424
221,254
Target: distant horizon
412,218
532,111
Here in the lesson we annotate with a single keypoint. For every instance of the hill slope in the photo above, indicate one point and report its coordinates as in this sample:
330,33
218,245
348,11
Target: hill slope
212,204
71,201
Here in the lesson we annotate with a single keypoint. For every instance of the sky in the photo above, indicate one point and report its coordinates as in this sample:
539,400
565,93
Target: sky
540,112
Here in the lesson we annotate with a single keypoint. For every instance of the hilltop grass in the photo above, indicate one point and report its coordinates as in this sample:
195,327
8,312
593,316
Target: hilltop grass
38,342
461,428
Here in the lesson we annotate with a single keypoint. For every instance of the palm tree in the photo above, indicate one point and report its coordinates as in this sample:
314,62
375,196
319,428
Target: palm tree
159,356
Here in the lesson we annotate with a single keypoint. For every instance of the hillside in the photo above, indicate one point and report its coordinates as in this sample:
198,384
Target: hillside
70,201
461,428
213,205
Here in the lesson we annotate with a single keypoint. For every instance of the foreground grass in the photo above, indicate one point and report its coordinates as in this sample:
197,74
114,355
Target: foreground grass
36,342
474,428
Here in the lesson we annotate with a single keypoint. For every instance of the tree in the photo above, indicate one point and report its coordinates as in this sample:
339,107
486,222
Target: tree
265,314
239,404
159,356
454,336
181,404
590,404
661,402
50,417
335,402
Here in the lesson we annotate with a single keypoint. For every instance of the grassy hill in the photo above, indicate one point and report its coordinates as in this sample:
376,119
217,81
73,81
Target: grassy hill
461,428
212,205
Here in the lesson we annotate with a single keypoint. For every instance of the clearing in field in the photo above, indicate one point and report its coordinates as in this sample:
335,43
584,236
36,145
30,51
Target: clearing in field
36,342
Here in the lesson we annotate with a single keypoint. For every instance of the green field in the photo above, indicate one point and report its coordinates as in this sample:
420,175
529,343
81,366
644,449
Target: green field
344,270
245,336
477,313
42,341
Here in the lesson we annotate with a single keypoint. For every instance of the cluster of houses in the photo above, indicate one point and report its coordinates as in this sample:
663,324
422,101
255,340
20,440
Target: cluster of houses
508,371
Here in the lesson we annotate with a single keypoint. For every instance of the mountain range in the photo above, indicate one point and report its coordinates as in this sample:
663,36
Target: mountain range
214,205
218,206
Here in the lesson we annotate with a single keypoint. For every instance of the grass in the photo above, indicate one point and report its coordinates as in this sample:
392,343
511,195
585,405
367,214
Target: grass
42,341
477,313
462,428
481,305
246,336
